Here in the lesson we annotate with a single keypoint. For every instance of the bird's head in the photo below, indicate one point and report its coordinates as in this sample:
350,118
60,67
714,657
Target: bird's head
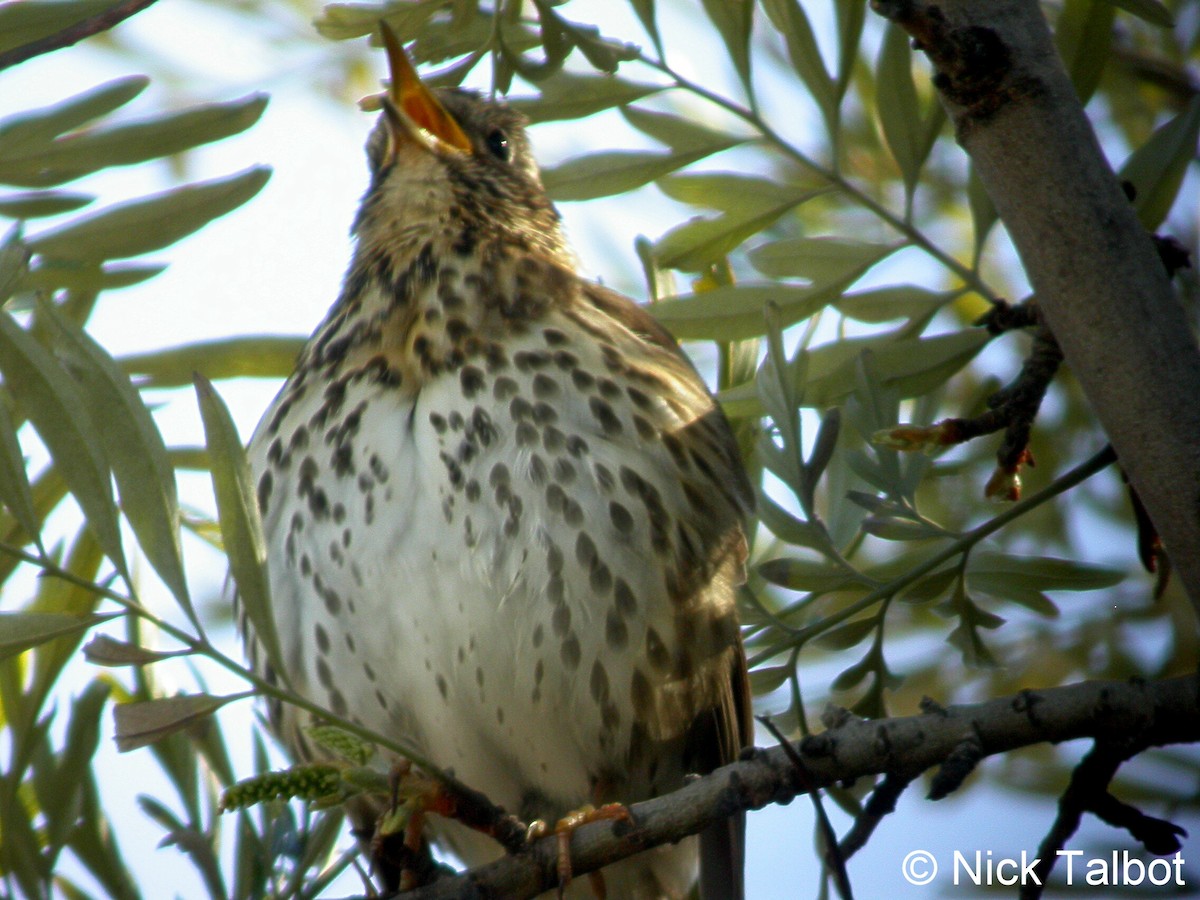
450,166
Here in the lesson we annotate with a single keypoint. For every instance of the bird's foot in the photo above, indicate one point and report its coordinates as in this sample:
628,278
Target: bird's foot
566,826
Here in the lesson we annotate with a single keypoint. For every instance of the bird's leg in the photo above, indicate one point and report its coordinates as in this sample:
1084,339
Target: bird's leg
566,826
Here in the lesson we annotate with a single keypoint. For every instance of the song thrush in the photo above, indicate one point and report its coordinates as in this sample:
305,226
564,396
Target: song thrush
503,513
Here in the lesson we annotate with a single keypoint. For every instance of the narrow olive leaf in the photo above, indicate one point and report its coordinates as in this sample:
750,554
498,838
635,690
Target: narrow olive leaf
14,262
237,511
20,631
15,491
79,746
35,204
40,126
242,357
1156,169
151,223
824,444
736,312
680,134
728,191
734,20
24,23
892,528
896,102
806,575
88,277
879,305
843,637
614,172
570,96
103,650
931,587
53,402
820,259
1044,573
765,679
342,21
787,527
1084,34
790,20
645,14
697,243
909,367
135,142
983,210
851,17
1151,11
144,722
1005,588
135,450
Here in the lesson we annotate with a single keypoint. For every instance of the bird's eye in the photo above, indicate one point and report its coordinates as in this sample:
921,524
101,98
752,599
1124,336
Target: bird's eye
497,144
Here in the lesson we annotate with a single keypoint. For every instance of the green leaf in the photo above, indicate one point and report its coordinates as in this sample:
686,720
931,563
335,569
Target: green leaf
15,491
729,192
1151,11
1043,573
887,304
241,524
788,527
14,263
241,357
807,575
850,20
54,404
896,102
614,172
34,204
80,154
79,746
135,450
697,243
1084,34
103,650
39,126
24,23
896,528
144,722
736,312
1156,169
790,20
151,223
845,636
983,211
342,21
910,367
931,587
819,259
645,14
680,134
569,96
88,277
734,20
19,631
765,679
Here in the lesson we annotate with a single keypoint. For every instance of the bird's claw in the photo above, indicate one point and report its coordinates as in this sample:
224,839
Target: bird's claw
566,826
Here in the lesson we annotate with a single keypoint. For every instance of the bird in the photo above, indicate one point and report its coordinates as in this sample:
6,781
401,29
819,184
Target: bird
504,516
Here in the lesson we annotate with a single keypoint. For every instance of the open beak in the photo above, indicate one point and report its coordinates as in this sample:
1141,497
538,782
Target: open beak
413,113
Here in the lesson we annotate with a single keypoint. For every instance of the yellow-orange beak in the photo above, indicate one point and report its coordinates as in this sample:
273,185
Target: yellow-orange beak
413,113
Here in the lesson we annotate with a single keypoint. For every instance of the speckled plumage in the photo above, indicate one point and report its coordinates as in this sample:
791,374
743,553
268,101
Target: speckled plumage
503,513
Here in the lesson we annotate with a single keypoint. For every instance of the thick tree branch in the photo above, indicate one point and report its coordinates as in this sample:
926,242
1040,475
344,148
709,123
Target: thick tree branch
1137,714
1094,268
